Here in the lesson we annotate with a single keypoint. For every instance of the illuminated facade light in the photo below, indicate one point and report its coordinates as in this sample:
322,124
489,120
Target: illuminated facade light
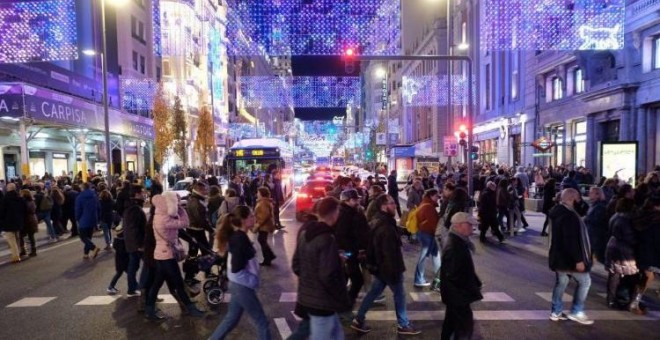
432,90
38,31
553,25
276,92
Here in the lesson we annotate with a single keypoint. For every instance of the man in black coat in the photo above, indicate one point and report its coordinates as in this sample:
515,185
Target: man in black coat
12,219
459,284
68,208
569,257
488,213
134,222
385,262
352,233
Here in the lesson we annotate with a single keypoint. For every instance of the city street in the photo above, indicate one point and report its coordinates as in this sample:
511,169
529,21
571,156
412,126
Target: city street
67,297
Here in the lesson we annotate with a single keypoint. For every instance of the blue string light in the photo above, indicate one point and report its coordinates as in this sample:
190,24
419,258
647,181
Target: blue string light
276,92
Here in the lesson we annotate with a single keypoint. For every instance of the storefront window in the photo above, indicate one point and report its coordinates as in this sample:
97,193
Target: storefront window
488,150
37,166
580,151
60,166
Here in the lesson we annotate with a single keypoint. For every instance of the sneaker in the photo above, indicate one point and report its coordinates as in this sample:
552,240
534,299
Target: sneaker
135,293
408,330
558,316
422,285
360,326
112,291
380,299
580,318
95,252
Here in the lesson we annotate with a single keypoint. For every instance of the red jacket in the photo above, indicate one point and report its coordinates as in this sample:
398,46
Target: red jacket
427,216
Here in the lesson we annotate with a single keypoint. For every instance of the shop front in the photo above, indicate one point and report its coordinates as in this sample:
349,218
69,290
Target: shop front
402,159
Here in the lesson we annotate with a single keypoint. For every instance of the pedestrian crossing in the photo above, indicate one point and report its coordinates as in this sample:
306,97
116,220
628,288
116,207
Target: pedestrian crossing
94,300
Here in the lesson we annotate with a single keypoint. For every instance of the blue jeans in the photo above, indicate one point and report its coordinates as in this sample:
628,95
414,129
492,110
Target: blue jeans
377,287
131,271
326,327
429,249
45,216
243,299
86,238
106,232
561,281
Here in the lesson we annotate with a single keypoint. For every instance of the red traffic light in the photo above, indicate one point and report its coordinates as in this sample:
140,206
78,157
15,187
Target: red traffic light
349,52
462,128
462,135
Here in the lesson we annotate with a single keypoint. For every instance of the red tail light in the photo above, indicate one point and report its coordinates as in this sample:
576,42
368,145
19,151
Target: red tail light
302,195
319,188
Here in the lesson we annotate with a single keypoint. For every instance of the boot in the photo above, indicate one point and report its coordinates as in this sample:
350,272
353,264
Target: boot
142,300
192,310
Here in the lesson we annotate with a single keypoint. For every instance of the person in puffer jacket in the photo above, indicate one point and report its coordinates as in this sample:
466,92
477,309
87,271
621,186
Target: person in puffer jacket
169,218
242,272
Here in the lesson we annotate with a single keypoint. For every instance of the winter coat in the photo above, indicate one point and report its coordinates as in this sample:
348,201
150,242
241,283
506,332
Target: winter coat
321,278
121,256
414,198
351,229
569,243
214,204
503,198
487,206
198,213
648,236
169,218
522,177
134,222
12,212
458,203
87,209
597,224
68,208
549,193
459,283
31,221
392,187
228,205
622,243
263,213
427,216
386,243
107,211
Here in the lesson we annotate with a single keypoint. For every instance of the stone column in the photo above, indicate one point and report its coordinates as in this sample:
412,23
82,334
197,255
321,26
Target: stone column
25,156
652,140
123,155
640,134
82,140
152,170
624,125
139,167
73,160
591,145
49,162
3,175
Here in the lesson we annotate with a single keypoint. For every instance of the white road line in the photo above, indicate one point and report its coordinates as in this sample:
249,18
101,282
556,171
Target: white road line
296,316
98,300
435,297
282,327
41,251
32,302
497,297
513,315
548,297
286,205
288,297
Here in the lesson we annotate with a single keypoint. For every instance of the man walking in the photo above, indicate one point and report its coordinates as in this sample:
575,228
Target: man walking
134,223
459,284
87,214
570,257
488,213
385,262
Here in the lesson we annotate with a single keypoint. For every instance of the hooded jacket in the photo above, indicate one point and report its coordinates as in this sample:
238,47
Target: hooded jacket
521,175
321,279
198,213
351,229
569,243
459,283
169,218
386,244
87,209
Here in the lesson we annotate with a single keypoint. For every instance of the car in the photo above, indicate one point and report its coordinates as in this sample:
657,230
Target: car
320,176
183,188
310,193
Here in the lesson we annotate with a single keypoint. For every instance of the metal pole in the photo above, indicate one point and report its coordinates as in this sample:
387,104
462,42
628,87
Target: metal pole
470,117
450,65
104,66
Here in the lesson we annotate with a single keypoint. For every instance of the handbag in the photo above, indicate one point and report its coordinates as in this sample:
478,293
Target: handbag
625,267
178,251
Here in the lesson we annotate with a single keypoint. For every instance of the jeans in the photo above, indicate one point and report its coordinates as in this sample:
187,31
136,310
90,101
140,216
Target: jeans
131,271
106,233
45,216
376,290
167,271
86,238
243,299
429,249
459,323
581,291
325,328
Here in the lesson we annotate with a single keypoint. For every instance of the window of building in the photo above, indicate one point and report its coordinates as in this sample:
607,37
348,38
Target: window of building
515,75
133,26
580,138
135,60
141,30
488,87
656,53
578,79
557,88
143,66
167,71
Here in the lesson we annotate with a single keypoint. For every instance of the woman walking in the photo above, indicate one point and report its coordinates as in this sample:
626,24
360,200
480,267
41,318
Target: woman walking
31,223
106,218
169,218
620,254
243,274
265,223
647,228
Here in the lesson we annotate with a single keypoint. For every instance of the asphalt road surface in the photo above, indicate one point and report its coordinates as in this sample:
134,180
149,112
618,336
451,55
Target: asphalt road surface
58,295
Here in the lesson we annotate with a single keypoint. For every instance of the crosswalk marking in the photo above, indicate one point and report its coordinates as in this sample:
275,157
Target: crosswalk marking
513,315
282,327
435,297
167,299
497,297
32,302
288,297
98,300
548,297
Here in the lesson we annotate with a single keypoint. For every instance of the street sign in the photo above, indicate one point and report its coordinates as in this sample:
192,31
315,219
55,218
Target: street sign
450,146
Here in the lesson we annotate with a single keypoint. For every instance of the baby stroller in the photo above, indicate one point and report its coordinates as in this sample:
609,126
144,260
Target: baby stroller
214,266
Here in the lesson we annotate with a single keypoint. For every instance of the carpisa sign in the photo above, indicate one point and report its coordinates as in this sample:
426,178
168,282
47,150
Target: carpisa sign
43,105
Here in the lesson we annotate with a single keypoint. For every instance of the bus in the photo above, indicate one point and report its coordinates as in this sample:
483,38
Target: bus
250,157
337,164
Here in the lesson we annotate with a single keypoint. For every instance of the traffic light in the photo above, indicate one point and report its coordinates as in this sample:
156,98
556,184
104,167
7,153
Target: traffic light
369,154
474,152
462,135
349,60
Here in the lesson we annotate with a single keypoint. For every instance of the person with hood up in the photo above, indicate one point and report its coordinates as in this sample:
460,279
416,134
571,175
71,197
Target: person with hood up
415,194
242,272
318,263
87,215
427,221
265,223
169,218
569,257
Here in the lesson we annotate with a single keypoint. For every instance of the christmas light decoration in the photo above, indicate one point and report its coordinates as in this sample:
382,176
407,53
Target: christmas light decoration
38,31
320,27
552,24
138,95
432,90
273,92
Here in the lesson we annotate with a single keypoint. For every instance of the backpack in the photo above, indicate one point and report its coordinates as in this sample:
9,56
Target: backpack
412,223
46,203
